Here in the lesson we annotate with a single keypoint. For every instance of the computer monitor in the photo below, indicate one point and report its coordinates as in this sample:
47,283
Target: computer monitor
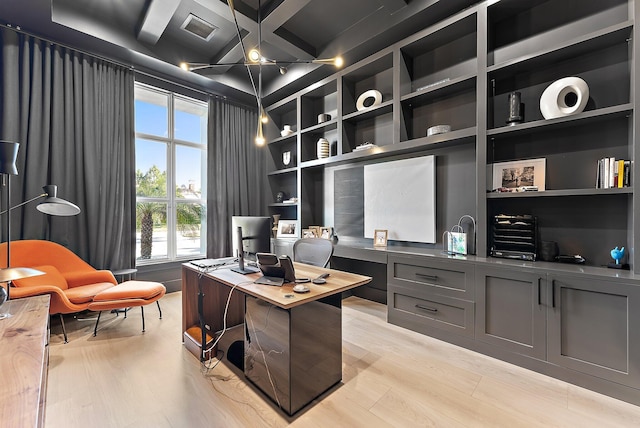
250,235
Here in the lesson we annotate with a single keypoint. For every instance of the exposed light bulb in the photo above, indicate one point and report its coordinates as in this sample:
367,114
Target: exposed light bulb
263,116
338,62
185,66
260,136
254,55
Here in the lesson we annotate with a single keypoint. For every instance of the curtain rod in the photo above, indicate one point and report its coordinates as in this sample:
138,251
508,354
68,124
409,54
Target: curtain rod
19,30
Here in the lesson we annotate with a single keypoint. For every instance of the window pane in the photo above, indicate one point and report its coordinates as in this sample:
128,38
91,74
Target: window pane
191,236
190,172
151,230
151,169
190,121
151,112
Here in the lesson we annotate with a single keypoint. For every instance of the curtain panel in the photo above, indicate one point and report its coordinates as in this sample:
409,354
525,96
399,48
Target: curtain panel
73,116
236,172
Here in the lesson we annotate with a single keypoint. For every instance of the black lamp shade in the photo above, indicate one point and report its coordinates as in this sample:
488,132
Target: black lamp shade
8,156
53,205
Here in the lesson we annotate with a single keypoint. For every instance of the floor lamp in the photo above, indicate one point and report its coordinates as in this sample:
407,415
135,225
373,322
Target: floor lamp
51,205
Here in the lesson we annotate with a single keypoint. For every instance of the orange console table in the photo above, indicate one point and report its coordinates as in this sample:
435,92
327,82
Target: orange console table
292,342
24,340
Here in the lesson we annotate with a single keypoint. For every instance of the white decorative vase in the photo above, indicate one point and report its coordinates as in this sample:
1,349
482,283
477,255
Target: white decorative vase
322,148
564,97
372,95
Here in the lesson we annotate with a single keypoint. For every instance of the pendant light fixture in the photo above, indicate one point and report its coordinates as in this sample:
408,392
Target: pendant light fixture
254,58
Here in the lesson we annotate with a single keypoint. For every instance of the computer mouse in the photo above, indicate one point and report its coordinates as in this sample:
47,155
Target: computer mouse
300,288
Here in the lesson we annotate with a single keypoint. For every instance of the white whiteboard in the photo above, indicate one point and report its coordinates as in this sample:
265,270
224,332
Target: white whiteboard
400,196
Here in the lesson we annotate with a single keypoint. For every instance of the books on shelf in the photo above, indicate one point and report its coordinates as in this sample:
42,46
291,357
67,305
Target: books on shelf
613,173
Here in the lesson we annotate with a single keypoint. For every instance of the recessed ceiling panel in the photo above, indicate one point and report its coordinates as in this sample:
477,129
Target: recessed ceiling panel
314,25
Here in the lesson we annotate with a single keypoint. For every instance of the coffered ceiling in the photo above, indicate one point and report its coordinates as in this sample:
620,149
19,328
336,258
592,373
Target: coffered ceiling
152,36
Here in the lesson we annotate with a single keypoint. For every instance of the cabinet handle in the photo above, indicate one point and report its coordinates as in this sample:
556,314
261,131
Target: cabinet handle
539,301
431,277
553,293
426,308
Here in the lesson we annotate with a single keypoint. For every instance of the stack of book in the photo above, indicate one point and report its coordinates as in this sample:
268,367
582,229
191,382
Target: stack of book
613,173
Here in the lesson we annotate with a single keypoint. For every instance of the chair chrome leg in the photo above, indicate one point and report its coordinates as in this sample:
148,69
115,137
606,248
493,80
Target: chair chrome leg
159,310
95,329
142,312
64,330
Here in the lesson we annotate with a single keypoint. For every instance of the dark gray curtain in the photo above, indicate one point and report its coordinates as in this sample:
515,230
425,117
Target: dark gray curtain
73,117
236,172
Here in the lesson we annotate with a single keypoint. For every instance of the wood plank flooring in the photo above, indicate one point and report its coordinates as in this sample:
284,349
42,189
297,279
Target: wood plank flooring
392,377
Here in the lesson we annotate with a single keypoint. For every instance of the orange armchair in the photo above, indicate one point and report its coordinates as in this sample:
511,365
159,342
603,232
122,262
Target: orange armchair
71,282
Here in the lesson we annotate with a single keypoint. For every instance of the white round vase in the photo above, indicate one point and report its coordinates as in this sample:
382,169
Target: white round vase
553,102
322,148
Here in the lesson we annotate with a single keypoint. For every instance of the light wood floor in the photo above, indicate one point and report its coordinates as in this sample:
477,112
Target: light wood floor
392,377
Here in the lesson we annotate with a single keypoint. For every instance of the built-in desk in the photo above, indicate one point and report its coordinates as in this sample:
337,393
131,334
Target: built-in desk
24,340
292,342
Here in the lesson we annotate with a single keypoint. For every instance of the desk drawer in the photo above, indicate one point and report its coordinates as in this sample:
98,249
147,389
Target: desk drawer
429,310
440,276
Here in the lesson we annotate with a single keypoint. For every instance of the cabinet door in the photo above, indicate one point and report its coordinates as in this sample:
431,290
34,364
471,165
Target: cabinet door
510,310
593,327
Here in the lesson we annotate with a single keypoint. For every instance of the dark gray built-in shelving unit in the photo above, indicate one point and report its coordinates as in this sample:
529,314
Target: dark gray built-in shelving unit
573,322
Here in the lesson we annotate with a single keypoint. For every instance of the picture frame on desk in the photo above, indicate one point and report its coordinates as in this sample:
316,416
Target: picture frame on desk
287,229
316,231
309,233
380,238
516,174
326,232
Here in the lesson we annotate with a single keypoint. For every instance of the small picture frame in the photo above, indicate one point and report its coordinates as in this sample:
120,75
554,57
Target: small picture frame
380,238
326,232
287,229
519,174
316,230
309,233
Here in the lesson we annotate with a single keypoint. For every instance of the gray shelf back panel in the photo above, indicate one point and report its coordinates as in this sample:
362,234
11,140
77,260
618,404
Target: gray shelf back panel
517,30
596,68
587,225
456,110
571,153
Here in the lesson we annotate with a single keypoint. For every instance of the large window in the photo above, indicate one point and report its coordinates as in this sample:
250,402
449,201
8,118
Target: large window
171,166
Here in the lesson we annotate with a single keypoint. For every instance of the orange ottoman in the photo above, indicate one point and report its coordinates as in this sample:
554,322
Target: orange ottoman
127,295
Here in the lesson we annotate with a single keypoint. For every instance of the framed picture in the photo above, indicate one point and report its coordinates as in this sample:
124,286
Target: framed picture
512,175
287,229
380,238
309,233
316,230
326,232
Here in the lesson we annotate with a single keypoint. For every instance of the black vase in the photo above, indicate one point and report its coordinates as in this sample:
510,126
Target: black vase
548,251
515,109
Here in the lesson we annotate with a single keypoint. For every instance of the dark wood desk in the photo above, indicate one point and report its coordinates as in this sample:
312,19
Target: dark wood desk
292,341
24,340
